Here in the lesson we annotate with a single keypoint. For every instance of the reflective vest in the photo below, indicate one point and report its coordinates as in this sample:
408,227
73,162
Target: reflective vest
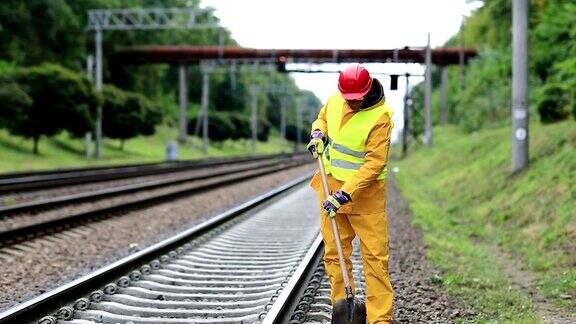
346,148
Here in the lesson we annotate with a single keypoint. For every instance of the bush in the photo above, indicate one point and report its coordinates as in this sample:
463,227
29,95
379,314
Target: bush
553,103
230,125
241,126
220,126
556,99
263,130
566,76
7,67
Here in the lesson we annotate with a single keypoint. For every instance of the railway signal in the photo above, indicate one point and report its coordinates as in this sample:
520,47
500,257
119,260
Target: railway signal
393,82
281,64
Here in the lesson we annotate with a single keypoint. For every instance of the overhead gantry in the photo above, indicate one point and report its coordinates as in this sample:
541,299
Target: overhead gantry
196,54
184,55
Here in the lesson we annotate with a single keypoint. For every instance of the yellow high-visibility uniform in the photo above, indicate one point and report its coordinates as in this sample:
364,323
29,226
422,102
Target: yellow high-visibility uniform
364,179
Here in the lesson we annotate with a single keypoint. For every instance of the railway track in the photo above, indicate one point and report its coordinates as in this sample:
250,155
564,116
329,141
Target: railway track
312,304
72,219
232,268
15,182
259,262
39,204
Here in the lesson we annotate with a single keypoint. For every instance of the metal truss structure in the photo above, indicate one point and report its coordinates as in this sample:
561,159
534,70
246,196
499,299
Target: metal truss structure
237,66
100,20
150,18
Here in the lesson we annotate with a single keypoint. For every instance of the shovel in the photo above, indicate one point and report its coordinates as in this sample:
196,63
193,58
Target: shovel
349,310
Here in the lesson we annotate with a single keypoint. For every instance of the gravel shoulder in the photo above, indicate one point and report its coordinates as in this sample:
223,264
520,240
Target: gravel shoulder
45,263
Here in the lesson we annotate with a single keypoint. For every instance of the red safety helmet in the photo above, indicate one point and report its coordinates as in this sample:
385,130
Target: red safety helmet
354,82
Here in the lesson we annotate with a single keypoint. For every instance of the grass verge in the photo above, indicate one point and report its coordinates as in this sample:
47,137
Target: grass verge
466,200
61,151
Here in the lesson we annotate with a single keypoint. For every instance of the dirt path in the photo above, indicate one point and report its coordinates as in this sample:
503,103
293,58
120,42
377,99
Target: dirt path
525,281
420,297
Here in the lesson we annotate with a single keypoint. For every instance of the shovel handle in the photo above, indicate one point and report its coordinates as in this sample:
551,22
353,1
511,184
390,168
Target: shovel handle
335,232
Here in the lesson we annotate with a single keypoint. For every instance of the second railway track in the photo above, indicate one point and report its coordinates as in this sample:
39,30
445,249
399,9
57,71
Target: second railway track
36,226
112,190
46,179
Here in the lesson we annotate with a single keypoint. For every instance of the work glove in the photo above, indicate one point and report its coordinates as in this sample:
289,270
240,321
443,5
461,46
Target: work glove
317,143
335,201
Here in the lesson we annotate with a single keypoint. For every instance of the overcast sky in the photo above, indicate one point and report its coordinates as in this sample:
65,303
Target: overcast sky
358,24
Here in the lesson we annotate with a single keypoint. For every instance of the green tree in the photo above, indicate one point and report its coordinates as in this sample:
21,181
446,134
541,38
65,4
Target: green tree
126,115
151,114
15,103
36,31
62,100
553,37
486,96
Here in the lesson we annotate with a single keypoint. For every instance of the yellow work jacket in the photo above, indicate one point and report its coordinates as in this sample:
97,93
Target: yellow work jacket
364,179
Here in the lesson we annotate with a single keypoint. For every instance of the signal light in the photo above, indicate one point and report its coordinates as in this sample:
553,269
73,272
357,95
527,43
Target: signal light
394,82
281,64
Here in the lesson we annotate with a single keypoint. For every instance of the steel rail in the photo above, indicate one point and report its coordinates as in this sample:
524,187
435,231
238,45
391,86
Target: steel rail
313,303
121,190
172,253
47,179
286,303
16,235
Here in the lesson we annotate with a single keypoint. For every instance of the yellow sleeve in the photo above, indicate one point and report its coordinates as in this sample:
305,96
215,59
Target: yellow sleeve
376,159
320,122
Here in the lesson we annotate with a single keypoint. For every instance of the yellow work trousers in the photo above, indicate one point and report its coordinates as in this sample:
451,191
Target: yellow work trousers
372,229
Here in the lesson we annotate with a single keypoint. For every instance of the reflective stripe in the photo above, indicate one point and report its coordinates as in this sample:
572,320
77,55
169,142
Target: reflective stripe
344,150
345,164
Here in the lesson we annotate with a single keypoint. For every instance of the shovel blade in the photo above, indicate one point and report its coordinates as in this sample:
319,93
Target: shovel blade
345,312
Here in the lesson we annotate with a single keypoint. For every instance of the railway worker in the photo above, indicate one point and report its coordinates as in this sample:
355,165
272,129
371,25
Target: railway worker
353,130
